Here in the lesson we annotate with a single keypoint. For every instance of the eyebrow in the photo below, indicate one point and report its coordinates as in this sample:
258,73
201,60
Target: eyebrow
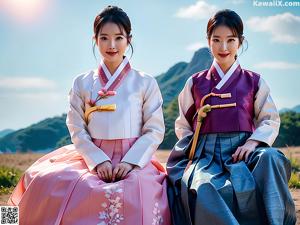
229,36
114,34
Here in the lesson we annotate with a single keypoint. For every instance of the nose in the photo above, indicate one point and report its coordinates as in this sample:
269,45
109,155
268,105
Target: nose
112,44
223,46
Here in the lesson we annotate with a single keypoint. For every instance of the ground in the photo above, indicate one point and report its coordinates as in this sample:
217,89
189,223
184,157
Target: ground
23,161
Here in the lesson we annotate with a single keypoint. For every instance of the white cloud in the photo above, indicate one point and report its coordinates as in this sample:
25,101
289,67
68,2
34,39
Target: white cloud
195,46
236,2
278,65
22,83
28,108
284,28
34,98
200,10
40,96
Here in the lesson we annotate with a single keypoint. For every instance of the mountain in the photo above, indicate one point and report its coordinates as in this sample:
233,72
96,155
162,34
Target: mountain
294,109
170,115
289,132
172,81
5,132
283,110
41,136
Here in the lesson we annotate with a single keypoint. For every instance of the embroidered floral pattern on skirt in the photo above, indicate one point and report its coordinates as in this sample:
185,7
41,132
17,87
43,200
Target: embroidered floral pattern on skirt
111,214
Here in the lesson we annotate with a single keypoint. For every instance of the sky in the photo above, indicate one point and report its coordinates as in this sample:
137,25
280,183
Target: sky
45,44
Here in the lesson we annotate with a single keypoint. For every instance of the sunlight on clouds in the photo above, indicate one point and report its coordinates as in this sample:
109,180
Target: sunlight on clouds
277,65
200,10
284,28
22,83
24,11
195,46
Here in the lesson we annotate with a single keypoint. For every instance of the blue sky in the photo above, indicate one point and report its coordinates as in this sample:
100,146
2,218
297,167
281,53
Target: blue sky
44,44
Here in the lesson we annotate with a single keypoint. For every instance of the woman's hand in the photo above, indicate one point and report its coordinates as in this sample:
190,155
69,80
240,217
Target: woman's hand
243,151
104,171
121,170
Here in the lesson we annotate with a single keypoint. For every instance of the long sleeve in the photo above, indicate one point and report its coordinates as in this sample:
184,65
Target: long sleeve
80,137
267,120
185,102
153,128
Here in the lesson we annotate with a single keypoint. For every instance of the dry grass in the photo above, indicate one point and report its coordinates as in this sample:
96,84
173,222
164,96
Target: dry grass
292,152
23,161
19,160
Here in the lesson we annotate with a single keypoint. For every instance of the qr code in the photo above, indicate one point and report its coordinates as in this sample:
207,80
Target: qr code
9,215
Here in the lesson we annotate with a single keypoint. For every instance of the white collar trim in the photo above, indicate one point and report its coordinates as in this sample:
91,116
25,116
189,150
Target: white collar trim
225,77
112,78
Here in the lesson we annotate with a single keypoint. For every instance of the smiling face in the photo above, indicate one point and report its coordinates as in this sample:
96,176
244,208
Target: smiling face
112,43
224,46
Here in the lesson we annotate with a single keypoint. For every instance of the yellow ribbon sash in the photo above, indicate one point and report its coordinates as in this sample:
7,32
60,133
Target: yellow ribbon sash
99,108
202,113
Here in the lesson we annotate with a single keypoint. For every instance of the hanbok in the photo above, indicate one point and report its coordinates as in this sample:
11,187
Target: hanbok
124,123
214,190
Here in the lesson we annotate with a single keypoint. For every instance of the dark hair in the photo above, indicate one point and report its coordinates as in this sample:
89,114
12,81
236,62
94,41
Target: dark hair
113,14
229,19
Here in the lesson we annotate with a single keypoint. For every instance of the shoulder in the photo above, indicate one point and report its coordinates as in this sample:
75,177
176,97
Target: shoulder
251,73
196,77
258,81
143,77
88,75
83,79
200,74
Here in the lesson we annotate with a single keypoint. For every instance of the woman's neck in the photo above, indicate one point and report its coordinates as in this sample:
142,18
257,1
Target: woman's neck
225,67
112,66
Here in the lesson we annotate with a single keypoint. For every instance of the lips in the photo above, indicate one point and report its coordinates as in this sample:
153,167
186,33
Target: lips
112,53
223,55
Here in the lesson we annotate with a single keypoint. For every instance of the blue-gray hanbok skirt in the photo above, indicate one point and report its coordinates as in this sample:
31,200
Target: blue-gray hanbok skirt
216,191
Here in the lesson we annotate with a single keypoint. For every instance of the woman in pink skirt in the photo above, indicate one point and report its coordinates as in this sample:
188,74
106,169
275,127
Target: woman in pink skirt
107,176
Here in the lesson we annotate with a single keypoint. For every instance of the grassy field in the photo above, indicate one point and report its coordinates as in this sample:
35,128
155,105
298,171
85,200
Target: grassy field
23,161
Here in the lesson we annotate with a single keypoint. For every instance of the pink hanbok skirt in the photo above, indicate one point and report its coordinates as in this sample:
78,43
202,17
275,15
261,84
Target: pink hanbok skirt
58,189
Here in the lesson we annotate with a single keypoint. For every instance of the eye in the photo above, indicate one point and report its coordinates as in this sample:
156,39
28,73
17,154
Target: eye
231,40
103,38
120,38
215,40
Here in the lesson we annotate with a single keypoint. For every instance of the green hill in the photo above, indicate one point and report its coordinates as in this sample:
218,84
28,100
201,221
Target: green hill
5,132
289,133
41,136
170,115
294,109
172,81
